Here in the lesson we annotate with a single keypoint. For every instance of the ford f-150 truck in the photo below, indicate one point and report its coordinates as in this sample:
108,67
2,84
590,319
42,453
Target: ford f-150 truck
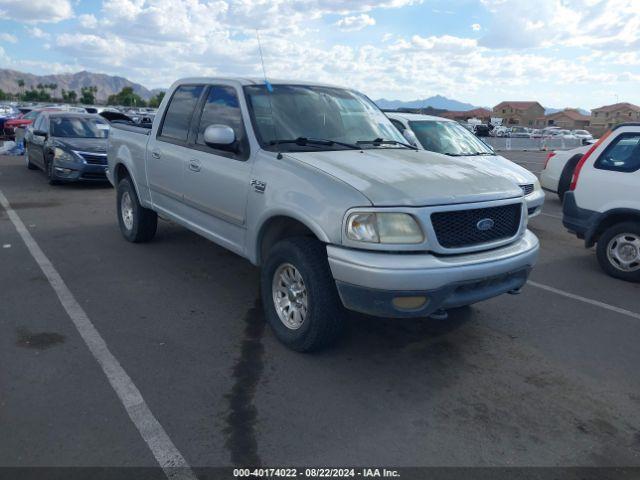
315,185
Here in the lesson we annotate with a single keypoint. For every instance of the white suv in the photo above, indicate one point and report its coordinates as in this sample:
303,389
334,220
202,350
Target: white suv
602,205
448,137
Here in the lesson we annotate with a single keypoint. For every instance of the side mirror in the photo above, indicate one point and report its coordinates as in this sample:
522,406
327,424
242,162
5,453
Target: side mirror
410,137
40,133
219,135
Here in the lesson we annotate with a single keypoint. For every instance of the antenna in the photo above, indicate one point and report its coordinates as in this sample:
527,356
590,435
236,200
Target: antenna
269,90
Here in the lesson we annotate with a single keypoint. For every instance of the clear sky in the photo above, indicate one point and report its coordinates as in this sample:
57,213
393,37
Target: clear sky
582,53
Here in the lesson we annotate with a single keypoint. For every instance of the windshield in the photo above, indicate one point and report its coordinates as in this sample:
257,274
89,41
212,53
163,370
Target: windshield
333,114
79,127
448,138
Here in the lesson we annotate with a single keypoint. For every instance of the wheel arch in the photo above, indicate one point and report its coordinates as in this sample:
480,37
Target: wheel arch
279,227
607,220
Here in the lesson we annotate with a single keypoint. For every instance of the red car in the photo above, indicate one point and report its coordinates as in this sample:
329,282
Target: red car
24,120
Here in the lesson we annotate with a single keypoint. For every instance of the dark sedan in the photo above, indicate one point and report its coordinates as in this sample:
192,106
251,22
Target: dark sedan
68,147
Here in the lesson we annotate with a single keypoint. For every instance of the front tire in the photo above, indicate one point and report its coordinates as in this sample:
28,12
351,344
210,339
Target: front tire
618,251
51,174
299,295
137,224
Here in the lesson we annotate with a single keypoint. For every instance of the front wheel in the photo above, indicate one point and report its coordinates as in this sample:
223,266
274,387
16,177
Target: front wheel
30,165
137,224
618,251
299,295
51,173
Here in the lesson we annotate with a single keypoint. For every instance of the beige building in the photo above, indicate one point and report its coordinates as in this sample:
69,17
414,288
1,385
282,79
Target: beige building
569,119
604,118
519,113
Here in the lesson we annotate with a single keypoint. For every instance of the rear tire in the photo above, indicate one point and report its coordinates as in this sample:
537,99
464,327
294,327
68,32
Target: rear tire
322,317
137,224
567,174
30,165
620,240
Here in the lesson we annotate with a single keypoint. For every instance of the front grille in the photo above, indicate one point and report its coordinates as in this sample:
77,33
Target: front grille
94,176
527,189
461,228
94,158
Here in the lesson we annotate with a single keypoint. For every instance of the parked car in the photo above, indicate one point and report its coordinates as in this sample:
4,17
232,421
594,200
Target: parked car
68,147
24,120
441,135
536,133
7,112
558,170
582,134
482,130
602,205
316,186
519,132
500,131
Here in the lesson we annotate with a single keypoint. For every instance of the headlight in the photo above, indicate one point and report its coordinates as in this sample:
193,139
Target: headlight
63,155
383,228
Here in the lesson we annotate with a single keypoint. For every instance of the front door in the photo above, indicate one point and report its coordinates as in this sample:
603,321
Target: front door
216,177
36,142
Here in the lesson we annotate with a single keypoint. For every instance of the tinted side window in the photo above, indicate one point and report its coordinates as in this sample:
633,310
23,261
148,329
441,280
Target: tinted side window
178,116
398,125
37,123
222,108
623,155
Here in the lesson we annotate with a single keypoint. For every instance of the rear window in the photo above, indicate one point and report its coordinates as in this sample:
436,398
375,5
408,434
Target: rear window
179,112
622,155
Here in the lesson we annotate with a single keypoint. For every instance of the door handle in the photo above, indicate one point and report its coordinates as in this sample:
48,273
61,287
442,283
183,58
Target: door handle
155,154
194,165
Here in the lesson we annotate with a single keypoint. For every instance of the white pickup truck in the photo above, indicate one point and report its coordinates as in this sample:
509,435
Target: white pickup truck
316,186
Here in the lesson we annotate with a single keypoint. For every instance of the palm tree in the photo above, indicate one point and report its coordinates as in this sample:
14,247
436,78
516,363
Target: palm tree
20,83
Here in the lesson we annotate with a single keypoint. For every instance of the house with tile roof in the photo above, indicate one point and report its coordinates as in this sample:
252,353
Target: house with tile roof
523,113
603,118
569,119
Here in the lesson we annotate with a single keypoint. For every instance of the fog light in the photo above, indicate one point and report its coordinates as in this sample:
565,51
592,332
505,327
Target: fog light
409,303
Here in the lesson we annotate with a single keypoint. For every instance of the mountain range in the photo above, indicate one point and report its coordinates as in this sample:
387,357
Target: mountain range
110,85
437,101
107,84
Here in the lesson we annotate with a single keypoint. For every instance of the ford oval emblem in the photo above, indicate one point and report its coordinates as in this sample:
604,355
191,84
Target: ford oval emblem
485,224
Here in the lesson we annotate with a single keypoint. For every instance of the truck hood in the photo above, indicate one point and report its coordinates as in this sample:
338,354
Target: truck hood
402,177
507,168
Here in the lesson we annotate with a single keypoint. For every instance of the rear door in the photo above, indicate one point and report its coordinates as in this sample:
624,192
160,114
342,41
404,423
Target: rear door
168,150
613,180
217,178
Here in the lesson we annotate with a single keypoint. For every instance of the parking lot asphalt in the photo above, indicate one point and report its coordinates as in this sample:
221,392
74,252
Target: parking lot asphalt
545,378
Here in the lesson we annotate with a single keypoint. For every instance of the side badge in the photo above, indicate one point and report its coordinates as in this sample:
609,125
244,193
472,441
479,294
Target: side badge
258,186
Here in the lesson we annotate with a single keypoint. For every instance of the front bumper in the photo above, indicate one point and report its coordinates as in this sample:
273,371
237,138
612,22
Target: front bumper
368,282
534,201
78,171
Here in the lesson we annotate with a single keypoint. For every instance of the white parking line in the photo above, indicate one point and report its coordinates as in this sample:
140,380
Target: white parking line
596,303
559,217
163,449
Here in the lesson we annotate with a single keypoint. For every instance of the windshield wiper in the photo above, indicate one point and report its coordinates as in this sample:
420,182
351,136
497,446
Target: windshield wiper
380,141
303,141
470,154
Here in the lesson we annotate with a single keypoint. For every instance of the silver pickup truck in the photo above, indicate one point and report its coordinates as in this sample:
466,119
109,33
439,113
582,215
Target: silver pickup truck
316,186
